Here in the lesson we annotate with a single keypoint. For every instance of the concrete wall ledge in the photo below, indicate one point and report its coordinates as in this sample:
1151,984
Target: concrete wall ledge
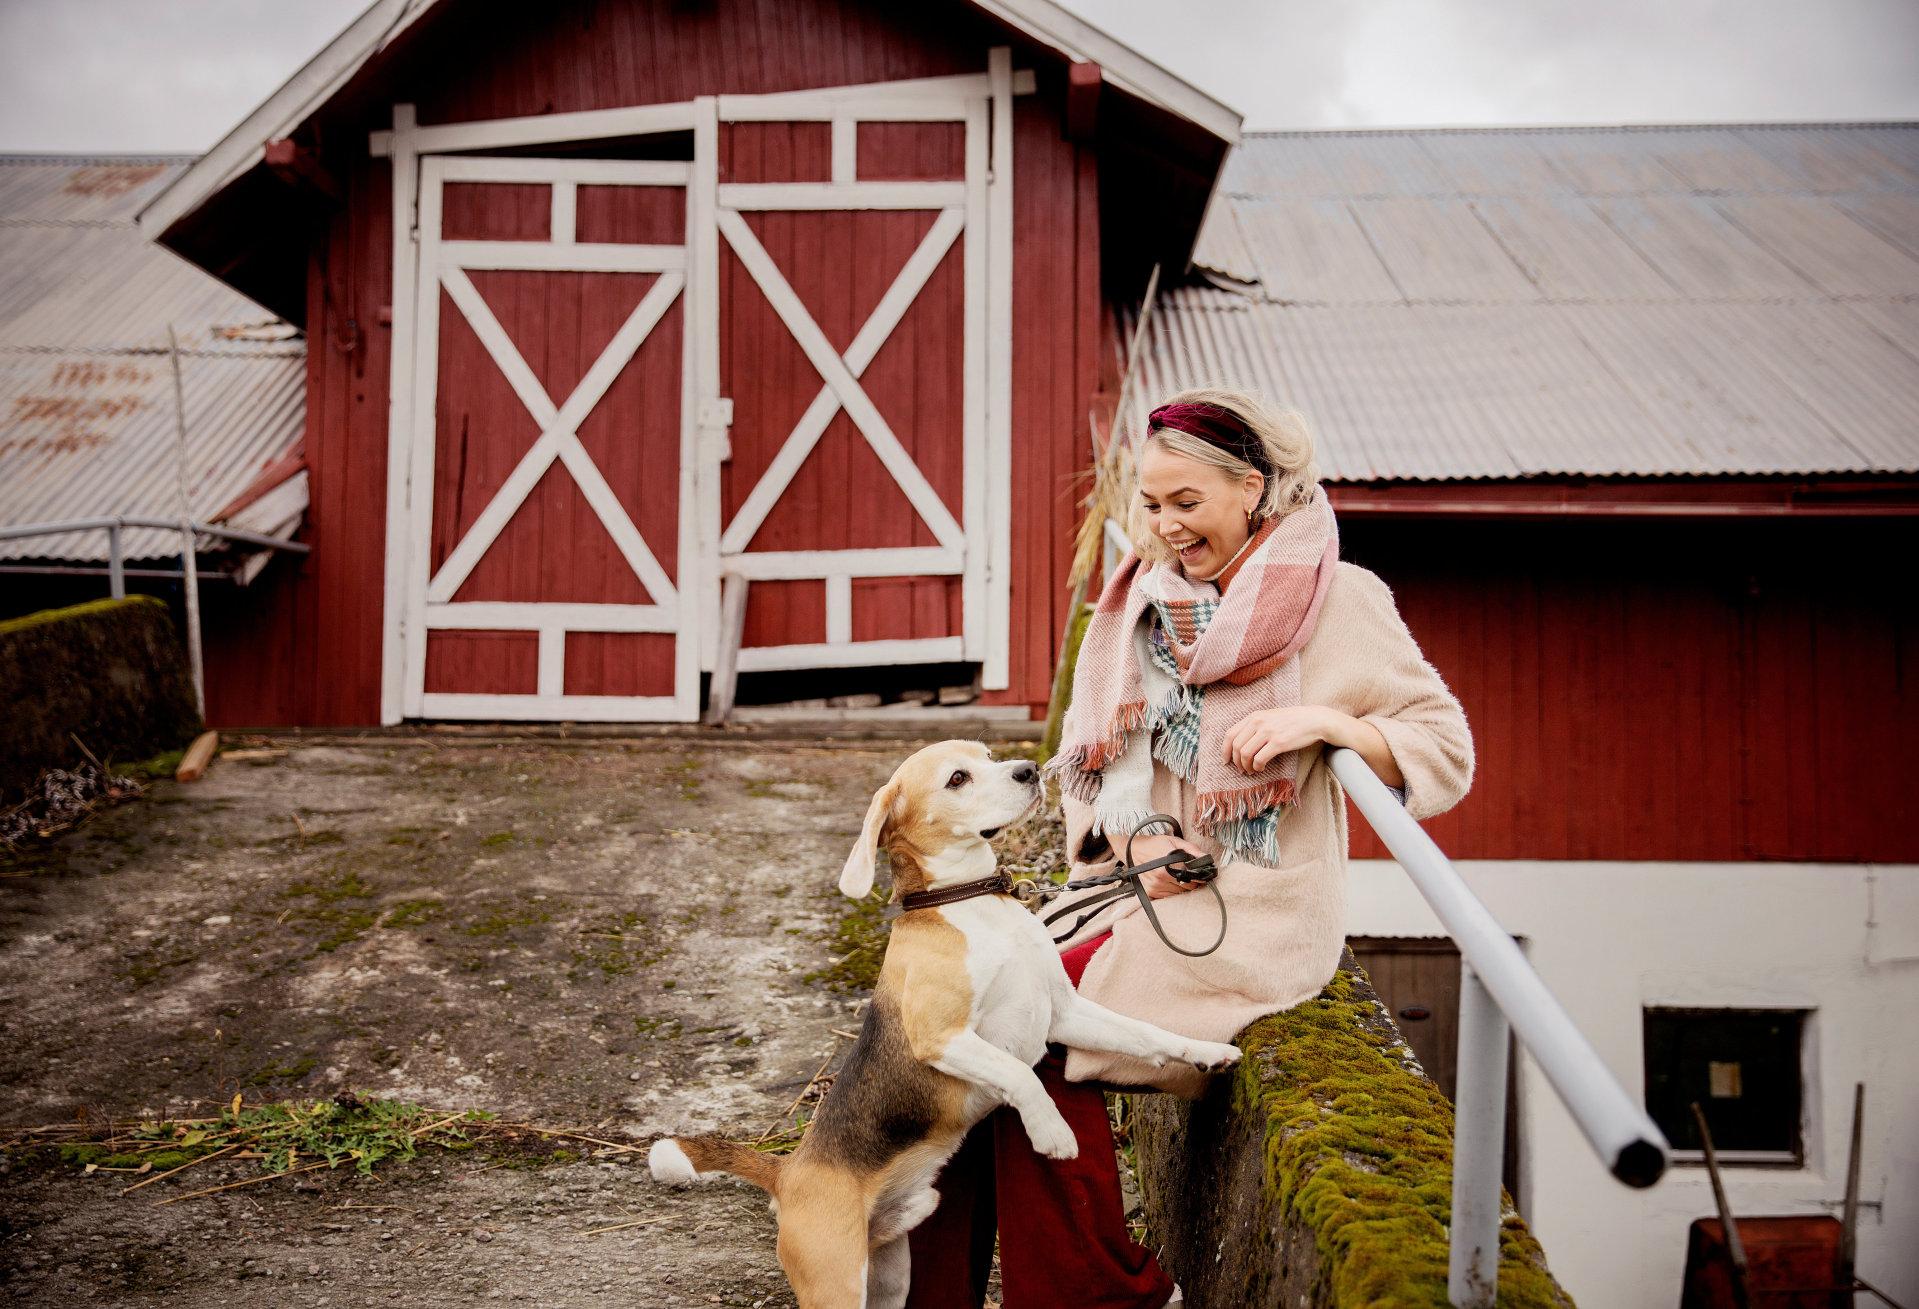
110,672
1318,1175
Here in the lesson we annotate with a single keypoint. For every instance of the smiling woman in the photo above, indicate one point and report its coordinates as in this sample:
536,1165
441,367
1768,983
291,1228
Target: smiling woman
1223,657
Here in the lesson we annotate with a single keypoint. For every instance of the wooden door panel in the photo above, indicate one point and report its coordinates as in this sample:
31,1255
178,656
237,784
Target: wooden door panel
551,483
850,360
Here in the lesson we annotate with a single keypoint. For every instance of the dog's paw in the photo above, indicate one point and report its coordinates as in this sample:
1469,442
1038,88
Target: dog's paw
1211,1056
1052,1137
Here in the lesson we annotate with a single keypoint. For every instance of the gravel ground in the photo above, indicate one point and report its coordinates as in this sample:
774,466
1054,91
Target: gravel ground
611,937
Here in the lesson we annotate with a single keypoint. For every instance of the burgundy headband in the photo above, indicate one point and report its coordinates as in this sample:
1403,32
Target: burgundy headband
1215,426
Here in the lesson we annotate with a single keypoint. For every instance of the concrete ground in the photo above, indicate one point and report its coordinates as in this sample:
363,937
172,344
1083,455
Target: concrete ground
610,936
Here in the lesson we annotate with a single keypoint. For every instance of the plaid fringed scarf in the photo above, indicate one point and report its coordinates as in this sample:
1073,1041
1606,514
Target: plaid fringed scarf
1169,666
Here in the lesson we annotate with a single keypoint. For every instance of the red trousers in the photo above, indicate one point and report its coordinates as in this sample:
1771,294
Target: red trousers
1064,1243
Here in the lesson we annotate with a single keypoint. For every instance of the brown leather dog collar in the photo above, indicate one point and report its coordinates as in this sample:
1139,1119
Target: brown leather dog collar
997,884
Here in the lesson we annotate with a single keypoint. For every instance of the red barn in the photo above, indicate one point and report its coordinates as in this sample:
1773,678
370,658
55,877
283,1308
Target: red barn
813,294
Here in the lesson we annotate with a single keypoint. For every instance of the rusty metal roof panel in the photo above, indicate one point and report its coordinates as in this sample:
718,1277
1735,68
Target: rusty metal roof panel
87,411
1601,302
94,435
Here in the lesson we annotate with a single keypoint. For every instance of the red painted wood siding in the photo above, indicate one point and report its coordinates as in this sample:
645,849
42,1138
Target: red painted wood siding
1668,690
499,60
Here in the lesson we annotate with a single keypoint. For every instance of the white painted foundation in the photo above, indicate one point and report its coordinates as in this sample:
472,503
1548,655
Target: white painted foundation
1611,938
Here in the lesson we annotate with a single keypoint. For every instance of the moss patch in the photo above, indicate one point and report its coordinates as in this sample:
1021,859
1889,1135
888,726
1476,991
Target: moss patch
1358,1149
333,911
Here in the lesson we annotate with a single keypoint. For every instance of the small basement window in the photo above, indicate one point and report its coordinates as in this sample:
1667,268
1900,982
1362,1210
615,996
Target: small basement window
1743,1067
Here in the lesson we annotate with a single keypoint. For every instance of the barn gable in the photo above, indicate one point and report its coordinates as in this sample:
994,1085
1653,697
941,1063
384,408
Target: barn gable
1148,125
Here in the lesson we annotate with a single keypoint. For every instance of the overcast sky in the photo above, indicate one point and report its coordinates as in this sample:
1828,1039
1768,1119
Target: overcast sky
174,75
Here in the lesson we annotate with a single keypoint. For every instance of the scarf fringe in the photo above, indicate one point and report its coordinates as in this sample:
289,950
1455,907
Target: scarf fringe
1219,807
1077,770
1236,839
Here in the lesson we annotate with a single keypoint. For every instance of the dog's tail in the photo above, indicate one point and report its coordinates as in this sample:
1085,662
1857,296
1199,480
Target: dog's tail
683,1160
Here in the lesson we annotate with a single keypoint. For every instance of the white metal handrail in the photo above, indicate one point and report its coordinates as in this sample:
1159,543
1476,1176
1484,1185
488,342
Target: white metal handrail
1500,994
189,531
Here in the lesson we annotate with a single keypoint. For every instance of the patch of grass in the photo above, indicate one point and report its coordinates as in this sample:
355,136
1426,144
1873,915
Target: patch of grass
657,1028
857,942
497,839
282,1136
337,910
292,1070
150,964
502,917
687,774
162,765
616,946
413,913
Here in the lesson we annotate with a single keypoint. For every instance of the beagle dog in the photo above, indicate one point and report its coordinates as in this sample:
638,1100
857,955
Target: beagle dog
969,994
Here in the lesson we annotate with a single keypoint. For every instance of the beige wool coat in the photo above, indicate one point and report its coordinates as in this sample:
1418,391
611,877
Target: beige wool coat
1287,924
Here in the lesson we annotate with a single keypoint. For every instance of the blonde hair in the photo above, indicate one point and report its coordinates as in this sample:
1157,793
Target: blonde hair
1282,434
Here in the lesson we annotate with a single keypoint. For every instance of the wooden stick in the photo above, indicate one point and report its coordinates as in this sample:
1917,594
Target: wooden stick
637,1222
157,1177
576,1136
88,753
811,1082
264,1177
193,764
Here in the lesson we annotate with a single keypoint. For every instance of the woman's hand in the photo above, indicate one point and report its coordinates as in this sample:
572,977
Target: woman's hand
1259,738
1159,883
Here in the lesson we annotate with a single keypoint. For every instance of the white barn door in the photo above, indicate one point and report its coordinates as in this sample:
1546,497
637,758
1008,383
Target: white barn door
641,283
965,212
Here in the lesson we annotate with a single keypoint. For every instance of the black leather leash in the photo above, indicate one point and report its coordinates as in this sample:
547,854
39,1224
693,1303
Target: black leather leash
1125,879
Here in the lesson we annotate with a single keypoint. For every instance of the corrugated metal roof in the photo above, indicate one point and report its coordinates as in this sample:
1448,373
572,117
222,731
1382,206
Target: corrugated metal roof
87,422
1597,301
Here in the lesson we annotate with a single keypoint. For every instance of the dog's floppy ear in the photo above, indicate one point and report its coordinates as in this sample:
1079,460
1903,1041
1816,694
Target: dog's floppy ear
856,878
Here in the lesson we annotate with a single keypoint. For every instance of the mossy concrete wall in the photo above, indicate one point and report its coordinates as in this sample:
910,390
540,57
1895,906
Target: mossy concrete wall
112,673
1319,1173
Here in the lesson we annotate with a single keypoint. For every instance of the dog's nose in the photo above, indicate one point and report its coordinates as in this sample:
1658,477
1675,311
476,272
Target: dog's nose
1026,773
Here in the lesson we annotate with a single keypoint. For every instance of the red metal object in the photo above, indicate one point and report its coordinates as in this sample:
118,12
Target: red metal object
1791,1263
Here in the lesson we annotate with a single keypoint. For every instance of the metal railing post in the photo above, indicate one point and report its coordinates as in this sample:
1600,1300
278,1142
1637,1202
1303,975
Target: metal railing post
1479,1141
190,577
116,563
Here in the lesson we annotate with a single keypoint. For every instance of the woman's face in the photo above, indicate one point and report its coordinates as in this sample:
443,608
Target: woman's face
1197,510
